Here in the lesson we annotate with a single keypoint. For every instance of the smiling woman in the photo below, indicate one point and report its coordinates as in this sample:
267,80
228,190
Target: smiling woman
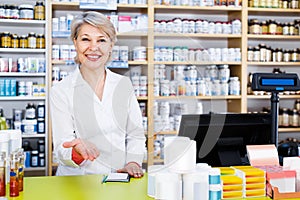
96,120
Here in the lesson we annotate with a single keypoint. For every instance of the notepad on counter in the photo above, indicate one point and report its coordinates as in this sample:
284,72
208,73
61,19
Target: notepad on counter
116,177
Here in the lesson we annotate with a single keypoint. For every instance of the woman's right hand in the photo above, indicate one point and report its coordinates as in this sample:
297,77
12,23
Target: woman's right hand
86,149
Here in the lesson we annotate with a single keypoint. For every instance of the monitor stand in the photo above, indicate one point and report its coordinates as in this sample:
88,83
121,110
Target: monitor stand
229,151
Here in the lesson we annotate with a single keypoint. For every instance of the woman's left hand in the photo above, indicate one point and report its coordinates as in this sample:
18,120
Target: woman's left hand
133,169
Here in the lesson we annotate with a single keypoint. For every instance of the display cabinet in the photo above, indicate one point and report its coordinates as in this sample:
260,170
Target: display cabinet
23,76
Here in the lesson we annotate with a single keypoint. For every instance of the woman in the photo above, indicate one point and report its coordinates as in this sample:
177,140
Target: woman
96,120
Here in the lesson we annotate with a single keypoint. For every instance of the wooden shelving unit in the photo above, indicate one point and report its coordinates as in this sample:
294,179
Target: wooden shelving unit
234,103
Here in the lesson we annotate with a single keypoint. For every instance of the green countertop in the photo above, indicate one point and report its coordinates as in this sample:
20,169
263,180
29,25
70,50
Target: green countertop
87,187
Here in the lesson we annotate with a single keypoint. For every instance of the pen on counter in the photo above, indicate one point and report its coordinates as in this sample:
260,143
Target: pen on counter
104,179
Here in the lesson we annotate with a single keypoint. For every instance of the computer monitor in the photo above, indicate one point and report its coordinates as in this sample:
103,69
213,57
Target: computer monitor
222,138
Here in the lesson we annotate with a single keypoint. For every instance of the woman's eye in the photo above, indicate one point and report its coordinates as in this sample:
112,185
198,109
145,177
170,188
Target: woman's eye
102,40
85,39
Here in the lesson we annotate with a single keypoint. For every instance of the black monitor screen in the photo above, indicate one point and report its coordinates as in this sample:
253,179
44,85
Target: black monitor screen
222,138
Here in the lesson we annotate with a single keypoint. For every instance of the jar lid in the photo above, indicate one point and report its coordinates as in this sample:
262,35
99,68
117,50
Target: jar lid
26,6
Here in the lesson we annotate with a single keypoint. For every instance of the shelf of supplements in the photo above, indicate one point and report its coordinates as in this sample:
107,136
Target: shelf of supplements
22,22
269,96
128,38
22,74
75,5
22,50
22,98
203,63
22,27
33,169
166,133
221,97
33,135
266,11
289,130
273,37
272,64
191,8
197,35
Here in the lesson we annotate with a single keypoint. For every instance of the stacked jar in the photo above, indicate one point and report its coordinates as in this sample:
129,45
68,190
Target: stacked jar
23,11
32,40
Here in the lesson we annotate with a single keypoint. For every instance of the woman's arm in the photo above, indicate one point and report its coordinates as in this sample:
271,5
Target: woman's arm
62,125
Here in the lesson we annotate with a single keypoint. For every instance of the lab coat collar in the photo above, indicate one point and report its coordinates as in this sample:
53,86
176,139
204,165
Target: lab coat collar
77,79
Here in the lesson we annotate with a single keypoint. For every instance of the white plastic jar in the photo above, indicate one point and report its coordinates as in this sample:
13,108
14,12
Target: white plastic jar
26,11
139,53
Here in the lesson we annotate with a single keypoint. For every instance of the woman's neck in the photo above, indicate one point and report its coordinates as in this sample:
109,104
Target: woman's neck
95,78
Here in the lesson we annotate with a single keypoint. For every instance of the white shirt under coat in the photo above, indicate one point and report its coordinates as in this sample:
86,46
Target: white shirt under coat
113,124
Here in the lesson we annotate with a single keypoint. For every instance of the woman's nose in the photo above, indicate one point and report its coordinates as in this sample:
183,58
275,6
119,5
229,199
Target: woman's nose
94,46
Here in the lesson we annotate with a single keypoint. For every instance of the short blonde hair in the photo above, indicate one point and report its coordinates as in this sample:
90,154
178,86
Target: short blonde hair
95,19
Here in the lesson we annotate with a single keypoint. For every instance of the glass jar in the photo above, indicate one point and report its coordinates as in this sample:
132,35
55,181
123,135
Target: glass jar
286,56
279,55
262,3
294,118
14,12
39,11
268,54
264,27
30,112
2,11
272,27
297,104
286,29
256,54
6,40
31,40
40,41
250,54
291,28
14,41
279,28
23,41
285,117
275,4
263,52
255,27
294,55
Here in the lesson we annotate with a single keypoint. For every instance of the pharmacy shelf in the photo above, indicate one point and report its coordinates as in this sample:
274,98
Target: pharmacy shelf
21,74
289,130
21,98
208,8
166,133
273,10
33,136
199,97
35,169
269,96
195,63
198,35
274,37
20,50
142,98
16,22
272,64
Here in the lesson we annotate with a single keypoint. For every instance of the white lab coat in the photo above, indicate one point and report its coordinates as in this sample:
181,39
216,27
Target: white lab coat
114,124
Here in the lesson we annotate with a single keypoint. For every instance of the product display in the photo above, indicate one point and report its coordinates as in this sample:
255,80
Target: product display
192,58
23,82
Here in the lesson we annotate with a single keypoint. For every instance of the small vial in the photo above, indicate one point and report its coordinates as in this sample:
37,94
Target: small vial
2,174
14,176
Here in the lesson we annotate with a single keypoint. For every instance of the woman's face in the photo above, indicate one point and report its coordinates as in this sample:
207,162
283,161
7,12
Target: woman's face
93,47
